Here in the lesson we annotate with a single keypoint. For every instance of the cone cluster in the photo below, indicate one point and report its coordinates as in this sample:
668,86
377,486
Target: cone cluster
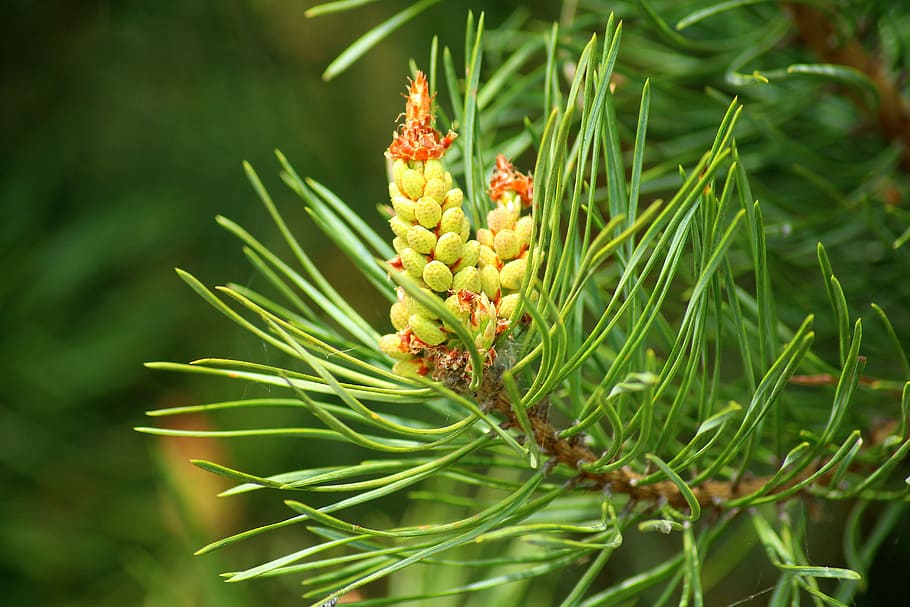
505,241
477,279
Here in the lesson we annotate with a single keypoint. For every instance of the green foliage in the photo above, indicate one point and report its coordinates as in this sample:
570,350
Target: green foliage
669,376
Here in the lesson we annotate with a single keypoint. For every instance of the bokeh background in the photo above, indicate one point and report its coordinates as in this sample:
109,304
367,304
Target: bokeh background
124,125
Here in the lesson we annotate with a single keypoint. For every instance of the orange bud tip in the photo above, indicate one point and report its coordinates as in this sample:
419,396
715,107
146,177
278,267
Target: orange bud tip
419,98
507,179
417,139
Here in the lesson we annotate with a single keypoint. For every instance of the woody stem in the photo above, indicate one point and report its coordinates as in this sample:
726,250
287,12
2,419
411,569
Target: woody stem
574,454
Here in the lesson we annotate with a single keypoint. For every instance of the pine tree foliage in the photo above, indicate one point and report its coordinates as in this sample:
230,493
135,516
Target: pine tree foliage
676,370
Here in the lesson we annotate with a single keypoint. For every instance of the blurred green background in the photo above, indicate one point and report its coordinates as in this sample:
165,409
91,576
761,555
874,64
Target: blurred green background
124,125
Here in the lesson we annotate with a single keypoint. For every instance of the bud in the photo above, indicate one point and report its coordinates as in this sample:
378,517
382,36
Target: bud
453,197
507,305
470,252
399,226
431,238
512,274
501,218
398,314
523,229
437,275
485,237
427,212
452,221
506,244
487,257
486,337
453,303
467,279
421,239
465,229
404,208
412,183
391,345
426,330
413,262
489,281
433,169
435,189
398,169
409,368
448,248
412,306
483,322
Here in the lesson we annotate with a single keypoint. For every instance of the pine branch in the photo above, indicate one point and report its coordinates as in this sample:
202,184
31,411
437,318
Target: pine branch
643,321
572,452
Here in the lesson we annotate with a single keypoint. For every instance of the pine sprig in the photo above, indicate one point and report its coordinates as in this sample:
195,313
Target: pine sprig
645,379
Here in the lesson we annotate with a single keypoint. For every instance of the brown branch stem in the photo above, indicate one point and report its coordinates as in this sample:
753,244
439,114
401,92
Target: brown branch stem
574,454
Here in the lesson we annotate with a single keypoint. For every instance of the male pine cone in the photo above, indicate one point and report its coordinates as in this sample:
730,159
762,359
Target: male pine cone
477,279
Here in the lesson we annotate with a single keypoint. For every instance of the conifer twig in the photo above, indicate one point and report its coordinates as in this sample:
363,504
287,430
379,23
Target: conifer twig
575,454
